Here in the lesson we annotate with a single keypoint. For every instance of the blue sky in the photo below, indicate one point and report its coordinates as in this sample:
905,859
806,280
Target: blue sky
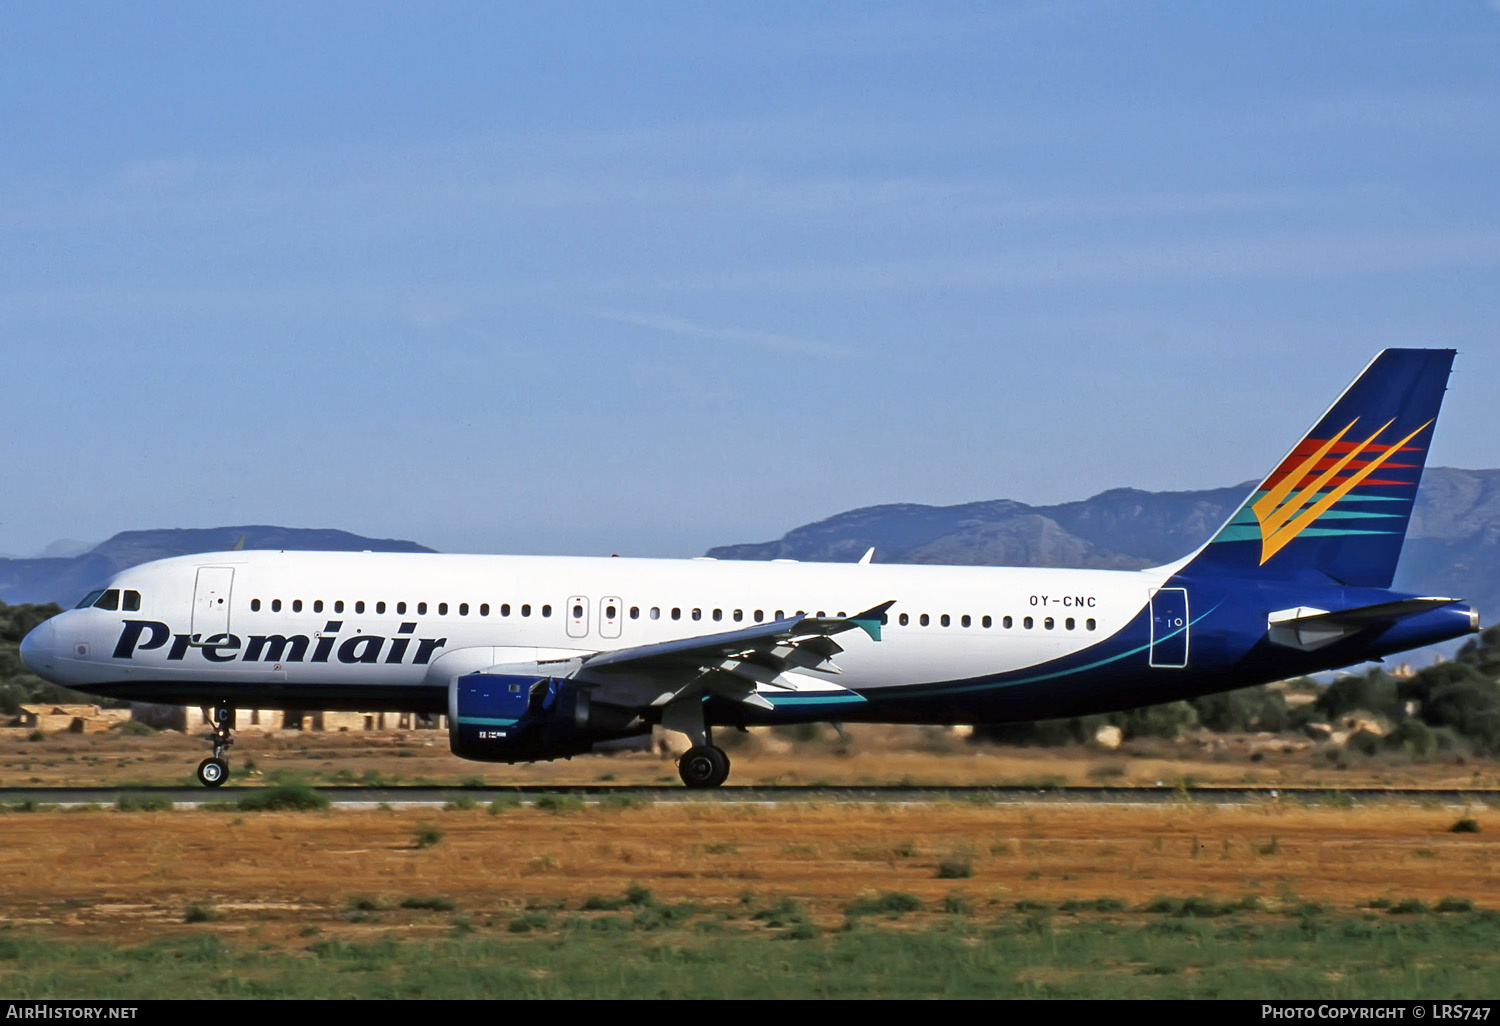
649,277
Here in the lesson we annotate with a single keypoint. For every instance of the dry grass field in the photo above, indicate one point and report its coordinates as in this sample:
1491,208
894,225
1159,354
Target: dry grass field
128,876
625,898
870,755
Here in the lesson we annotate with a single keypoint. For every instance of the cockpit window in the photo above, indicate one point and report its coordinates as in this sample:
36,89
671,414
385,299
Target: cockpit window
109,600
131,602
89,599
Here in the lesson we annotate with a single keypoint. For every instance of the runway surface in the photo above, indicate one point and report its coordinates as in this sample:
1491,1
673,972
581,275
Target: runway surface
406,797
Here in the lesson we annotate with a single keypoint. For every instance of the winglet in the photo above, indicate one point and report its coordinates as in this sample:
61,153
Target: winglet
870,620
239,545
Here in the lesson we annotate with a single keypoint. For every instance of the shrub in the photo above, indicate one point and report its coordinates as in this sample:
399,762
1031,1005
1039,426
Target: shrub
283,797
955,867
893,903
200,912
428,904
560,803
1451,904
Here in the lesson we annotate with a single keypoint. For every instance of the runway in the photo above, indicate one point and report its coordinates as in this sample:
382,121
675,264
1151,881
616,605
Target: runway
418,797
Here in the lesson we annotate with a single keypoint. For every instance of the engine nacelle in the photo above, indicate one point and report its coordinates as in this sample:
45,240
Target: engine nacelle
503,717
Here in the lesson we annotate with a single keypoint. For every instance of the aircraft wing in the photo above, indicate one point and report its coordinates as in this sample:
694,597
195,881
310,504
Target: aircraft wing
733,664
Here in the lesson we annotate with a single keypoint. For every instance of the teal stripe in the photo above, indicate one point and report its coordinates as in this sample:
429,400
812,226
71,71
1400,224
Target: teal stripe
477,721
1238,534
964,688
847,699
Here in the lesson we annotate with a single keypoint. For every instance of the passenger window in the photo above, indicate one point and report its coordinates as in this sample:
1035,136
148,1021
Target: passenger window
442,609
463,609
338,605
255,605
1026,623
820,614
739,614
1048,623
546,610
609,612
400,608
1069,623
359,606
577,611
132,602
1007,623
296,605
109,600
526,609
505,609
317,605
905,619
718,614
380,607
760,614
421,608
965,621
697,613
1089,623
987,622
676,613
484,609
944,620
656,612
635,612
276,605
781,614
923,620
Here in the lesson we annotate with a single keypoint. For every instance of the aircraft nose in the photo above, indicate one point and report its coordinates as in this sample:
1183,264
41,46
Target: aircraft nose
38,646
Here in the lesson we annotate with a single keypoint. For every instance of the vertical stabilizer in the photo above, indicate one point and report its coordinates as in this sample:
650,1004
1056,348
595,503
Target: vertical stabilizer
1339,503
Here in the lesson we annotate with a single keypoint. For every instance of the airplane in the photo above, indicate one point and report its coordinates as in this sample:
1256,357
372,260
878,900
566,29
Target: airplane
537,658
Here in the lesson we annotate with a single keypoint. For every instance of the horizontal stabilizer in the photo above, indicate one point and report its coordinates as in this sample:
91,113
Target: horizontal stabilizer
1308,628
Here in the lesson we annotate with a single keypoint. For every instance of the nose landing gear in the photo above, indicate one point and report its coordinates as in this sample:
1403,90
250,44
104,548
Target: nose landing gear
214,770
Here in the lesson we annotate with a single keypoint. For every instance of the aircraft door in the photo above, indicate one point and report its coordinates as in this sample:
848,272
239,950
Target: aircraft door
211,595
610,612
578,616
1169,628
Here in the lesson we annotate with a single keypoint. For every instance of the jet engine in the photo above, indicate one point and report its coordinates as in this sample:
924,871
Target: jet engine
505,717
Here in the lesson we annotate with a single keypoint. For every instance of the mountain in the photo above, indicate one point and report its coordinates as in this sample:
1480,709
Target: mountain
65,581
1452,547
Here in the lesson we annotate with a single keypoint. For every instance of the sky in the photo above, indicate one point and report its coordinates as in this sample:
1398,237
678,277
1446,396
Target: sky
649,277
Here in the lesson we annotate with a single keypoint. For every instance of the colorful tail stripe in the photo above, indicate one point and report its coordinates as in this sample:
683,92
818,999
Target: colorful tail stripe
1339,503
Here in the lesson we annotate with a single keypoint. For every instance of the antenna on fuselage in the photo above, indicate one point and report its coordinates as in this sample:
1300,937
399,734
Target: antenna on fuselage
869,554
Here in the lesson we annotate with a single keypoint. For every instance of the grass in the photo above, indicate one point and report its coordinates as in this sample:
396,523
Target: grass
535,954
647,879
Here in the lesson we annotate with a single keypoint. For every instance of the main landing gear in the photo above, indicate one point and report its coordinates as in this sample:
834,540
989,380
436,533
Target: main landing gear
703,766
214,770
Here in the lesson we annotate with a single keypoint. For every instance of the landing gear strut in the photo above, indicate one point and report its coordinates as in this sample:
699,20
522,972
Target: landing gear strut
703,766
214,770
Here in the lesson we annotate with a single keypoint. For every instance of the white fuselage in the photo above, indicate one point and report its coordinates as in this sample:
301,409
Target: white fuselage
380,619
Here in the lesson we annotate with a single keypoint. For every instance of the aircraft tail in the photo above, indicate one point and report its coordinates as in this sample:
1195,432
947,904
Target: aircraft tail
1339,503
